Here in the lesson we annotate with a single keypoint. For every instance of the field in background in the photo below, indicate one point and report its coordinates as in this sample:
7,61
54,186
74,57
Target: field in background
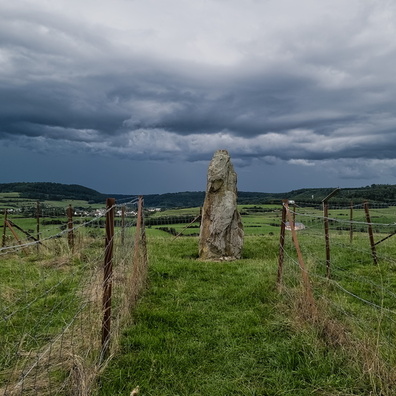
13,200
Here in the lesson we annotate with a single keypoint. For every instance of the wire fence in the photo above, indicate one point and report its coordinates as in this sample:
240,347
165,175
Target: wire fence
63,305
353,295
54,305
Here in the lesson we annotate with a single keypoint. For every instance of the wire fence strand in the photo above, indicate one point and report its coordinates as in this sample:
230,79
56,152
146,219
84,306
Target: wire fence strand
51,306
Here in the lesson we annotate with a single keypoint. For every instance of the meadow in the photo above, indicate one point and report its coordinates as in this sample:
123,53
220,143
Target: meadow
225,328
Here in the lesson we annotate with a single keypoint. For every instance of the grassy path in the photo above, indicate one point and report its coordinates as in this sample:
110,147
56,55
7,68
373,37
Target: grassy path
222,329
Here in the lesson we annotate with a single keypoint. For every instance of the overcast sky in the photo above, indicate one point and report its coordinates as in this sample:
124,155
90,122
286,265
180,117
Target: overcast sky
134,96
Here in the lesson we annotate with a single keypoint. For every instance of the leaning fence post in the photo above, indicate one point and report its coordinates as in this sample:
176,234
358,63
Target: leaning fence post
281,244
107,277
4,228
370,232
70,235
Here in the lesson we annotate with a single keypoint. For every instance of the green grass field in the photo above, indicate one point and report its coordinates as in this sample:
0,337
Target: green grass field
13,200
225,328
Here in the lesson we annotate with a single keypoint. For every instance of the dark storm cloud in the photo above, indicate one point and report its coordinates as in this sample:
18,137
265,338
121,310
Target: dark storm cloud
304,88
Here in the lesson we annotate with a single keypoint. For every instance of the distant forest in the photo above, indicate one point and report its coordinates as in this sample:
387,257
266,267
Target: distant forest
381,193
53,191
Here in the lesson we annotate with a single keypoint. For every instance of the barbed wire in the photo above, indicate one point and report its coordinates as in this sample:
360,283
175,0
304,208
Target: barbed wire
57,235
364,295
335,283
334,219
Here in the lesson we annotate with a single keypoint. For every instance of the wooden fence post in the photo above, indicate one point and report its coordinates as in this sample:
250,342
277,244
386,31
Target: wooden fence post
107,277
139,261
370,232
10,225
281,244
70,235
327,237
122,225
138,224
38,226
326,228
294,214
351,225
304,273
4,228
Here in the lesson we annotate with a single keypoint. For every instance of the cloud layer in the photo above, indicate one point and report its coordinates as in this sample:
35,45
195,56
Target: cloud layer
300,82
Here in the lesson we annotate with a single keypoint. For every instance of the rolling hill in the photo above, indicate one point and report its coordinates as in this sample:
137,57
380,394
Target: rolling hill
43,191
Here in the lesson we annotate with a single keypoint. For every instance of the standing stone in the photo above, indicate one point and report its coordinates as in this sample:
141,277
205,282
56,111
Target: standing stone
221,234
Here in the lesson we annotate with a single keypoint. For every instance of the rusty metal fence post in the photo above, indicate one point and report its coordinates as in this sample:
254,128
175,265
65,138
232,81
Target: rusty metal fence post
107,277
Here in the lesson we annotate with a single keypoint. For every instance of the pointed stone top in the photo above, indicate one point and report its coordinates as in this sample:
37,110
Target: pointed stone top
221,172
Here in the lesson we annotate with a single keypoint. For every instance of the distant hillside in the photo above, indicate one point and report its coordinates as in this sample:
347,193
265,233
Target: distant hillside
382,193
57,191
188,199
53,191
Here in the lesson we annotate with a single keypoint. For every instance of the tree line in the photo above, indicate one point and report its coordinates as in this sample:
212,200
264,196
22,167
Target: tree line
56,192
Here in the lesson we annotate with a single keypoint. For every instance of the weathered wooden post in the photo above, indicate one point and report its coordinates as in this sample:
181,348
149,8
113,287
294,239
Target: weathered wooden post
122,225
327,237
139,270
4,228
294,213
107,277
370,232
38,226
70,235
351,224
139,219
326,228
281,244
304,273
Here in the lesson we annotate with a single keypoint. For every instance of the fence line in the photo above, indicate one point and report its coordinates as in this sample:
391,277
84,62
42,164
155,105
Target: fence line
52,316
363,293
